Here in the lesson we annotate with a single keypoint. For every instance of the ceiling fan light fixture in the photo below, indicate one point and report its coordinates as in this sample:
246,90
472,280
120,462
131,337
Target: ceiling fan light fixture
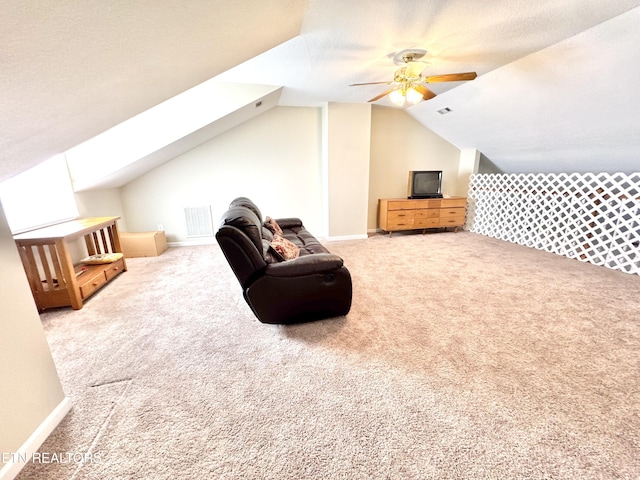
413,96
398,97
408,84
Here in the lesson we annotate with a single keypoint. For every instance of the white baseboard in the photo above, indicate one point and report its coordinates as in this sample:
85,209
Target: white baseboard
347,237
191,243
37,438
212,241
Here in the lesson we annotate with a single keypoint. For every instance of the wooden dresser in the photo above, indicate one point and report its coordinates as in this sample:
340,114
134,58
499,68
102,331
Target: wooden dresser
395,214
55,281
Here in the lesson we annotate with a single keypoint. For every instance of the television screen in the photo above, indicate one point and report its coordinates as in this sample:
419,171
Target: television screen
425,184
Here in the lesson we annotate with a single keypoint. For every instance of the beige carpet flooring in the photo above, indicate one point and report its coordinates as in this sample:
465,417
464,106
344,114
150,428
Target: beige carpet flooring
464,357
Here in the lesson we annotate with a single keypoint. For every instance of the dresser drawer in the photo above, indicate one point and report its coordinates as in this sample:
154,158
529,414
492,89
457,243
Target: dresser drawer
427,213
113,269
426,222
93,283
400,216
454,202
401,205
400,220
452,221
451,212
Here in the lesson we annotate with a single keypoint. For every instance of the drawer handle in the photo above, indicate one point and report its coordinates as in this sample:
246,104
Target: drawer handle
95,284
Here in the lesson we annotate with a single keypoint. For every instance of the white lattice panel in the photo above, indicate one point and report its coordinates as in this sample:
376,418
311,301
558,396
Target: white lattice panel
593,218
625,242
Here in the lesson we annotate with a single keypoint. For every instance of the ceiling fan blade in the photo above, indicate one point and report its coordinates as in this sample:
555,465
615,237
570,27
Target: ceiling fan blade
424,91
381,95
452,77
369,83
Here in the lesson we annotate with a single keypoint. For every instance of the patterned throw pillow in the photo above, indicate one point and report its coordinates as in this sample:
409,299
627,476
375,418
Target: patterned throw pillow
286,249
272,225
101,258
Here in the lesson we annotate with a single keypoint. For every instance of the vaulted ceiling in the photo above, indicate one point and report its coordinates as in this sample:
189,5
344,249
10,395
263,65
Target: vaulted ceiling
555,89
71,69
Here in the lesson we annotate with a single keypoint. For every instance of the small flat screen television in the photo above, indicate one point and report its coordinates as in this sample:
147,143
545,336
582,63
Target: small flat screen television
425,184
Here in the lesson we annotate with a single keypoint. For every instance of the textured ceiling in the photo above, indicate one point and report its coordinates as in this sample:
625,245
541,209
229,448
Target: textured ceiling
572,107
359,41
556,77
71,69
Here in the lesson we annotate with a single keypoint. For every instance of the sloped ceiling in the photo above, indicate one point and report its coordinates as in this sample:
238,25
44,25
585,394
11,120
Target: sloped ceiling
555,90
165,131
571,107
71,69
556,86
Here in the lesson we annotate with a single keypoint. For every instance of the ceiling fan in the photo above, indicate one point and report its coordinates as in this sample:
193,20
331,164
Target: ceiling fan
408,81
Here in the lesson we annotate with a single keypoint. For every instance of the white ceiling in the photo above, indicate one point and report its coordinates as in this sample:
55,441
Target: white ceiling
555,92
556,89
71,69
572,107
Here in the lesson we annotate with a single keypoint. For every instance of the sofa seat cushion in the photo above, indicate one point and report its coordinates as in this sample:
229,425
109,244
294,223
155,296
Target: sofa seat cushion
308,265
307,243
294,231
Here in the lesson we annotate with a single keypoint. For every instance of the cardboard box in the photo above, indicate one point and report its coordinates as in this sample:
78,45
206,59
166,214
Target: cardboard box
143,244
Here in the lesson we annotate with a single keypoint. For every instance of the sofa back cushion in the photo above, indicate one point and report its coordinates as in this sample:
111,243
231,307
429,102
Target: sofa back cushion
247,222
247,203
239,239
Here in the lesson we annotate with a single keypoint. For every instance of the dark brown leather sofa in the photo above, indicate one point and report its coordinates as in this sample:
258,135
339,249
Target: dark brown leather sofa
313,286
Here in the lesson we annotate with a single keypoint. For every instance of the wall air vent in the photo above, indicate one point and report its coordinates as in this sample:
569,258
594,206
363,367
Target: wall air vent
259,103
444,111
198,221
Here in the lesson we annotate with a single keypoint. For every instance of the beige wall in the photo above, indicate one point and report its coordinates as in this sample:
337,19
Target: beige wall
469,162
274,159
400,144
294,161
102,203
346,153
30,389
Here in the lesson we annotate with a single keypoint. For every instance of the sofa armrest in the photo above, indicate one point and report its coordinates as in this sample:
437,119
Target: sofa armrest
305,265
289,222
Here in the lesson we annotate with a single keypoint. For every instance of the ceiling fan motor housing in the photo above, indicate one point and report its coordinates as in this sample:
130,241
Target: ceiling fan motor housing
411,56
